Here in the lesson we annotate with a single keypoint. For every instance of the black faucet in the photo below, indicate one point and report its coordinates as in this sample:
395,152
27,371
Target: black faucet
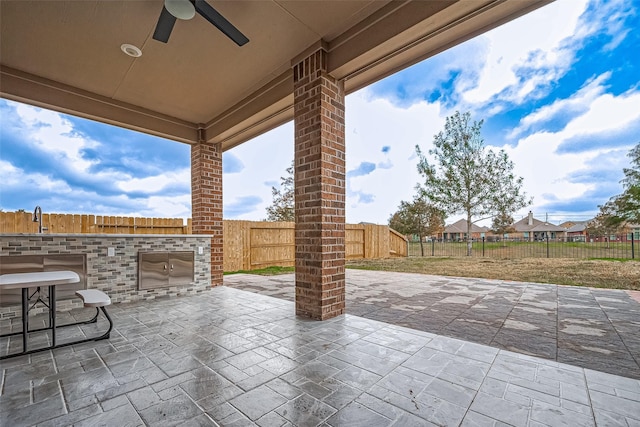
37,217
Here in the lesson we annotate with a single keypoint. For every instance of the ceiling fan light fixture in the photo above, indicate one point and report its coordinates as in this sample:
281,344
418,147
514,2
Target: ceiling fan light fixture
131,50
181,9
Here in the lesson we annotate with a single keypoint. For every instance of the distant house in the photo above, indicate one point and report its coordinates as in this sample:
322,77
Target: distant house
532,229
630,231
458,231
577,231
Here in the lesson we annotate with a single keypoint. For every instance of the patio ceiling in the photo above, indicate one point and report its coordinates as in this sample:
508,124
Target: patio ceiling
65,56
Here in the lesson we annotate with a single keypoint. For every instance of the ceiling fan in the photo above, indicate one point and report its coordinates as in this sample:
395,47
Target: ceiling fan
185,10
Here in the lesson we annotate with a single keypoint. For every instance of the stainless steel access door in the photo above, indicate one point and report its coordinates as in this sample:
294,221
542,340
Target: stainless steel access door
180,268
163,269
153,270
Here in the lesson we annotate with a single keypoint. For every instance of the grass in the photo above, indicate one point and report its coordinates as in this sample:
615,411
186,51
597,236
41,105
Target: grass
268,271
561,271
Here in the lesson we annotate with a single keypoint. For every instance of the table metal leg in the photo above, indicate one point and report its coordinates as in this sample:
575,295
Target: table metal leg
25,318
52,313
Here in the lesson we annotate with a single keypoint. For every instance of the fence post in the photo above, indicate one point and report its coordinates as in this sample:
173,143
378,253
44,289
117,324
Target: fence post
633,251
433,247
407,248
547,236
483,246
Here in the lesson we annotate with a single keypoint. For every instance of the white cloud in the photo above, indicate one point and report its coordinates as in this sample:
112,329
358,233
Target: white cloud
52,133
372,124
154,184
13,178
607,112
534,42
265,160
547,171
579,101
385,164
9,174
608,17
428,79
68,181
168,207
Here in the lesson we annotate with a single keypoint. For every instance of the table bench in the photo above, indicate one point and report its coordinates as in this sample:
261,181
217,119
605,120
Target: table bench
99,300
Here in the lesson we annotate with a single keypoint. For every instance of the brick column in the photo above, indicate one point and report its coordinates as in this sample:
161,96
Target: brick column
319,189
206,200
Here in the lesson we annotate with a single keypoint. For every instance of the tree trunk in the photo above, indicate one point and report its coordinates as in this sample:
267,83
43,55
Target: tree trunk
421,246
469,240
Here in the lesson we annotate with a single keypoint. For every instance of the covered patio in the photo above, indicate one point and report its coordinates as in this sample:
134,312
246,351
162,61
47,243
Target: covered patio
231,357
137,65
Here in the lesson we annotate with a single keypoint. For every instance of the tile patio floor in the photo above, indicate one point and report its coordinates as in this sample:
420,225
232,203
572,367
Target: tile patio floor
235,358
593,328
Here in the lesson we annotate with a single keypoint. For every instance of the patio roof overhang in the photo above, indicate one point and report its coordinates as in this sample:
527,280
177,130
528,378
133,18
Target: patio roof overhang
200,86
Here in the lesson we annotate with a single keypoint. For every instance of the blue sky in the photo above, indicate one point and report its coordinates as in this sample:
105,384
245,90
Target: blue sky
558,89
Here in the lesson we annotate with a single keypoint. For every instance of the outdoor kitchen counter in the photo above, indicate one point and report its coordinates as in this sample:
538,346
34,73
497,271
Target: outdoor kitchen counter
111,260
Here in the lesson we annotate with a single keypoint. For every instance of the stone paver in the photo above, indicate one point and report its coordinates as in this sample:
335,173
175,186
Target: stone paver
592,328
230,357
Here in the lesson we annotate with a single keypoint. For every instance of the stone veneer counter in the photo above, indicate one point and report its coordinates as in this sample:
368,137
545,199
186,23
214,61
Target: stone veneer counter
117,275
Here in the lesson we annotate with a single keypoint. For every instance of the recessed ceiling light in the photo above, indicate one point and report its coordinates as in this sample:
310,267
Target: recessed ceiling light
131,50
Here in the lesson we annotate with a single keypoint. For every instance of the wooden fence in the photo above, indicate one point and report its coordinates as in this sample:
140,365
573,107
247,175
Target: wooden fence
248,245
21,222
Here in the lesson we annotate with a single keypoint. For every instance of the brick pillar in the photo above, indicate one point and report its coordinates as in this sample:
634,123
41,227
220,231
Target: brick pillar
206,200
319,189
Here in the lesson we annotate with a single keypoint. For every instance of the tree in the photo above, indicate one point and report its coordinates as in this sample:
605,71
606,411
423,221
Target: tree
605,223
626,206
417,217
502,224
282,208
623,208
467,177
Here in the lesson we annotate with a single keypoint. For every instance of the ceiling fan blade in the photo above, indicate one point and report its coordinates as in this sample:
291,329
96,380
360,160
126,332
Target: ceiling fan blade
212,15
164,26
